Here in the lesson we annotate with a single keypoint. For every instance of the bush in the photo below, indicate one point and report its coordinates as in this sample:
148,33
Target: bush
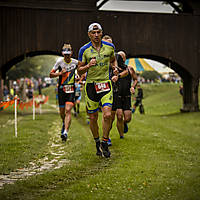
152,75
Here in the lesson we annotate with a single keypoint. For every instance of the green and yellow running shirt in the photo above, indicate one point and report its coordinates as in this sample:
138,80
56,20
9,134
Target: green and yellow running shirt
99,72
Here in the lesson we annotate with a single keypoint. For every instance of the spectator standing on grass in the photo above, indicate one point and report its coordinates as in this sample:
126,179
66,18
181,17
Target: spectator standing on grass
40,86
138,98
12,92
30,90
6,93
78,89
181,90
64,68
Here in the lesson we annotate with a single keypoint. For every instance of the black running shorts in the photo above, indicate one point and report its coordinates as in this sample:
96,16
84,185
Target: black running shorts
124,102
115,99
64,98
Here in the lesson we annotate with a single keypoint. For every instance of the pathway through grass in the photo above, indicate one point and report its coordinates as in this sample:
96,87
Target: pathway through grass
52,160
157,160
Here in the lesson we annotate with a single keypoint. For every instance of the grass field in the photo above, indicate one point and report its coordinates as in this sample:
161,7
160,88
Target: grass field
158,159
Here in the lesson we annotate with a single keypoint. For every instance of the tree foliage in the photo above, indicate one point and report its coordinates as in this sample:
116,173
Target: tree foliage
37,66
151,75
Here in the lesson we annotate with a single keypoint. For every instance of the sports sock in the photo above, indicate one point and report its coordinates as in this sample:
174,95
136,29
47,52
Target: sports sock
65,132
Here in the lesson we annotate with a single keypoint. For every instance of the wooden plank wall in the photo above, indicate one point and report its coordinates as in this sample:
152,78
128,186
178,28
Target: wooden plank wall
76,5
161,36
28,30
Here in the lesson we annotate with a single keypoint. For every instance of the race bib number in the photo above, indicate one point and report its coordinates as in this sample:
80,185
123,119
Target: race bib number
68,88
102,87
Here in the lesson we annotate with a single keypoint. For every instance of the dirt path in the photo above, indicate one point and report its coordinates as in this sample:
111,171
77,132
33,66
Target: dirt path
40,166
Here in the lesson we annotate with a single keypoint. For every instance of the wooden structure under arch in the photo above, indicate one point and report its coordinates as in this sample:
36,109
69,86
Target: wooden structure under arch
31,27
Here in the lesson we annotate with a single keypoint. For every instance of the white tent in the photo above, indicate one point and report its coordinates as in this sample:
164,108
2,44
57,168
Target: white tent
159,67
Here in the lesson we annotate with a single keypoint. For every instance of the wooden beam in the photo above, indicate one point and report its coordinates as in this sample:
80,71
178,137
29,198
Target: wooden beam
74,5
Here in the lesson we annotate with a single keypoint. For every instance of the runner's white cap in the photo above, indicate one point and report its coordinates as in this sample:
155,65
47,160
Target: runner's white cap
66,51
92,27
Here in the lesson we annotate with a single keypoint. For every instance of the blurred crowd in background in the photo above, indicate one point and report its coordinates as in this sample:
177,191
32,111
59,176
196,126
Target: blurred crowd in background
25,87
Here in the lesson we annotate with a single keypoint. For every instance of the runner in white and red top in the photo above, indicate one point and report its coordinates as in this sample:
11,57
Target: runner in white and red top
65,69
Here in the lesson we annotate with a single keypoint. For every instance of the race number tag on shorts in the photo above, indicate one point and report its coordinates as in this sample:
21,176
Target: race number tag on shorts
68,88
102,87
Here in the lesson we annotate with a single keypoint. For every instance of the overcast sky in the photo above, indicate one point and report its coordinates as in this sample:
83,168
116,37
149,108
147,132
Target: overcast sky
140,6
136,6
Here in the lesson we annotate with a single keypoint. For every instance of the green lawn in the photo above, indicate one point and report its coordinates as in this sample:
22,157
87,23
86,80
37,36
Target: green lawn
158,159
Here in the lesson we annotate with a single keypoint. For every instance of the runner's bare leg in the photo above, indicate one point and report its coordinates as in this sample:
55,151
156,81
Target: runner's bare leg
62,113
68,108
106,121
94,124
127,116
120,122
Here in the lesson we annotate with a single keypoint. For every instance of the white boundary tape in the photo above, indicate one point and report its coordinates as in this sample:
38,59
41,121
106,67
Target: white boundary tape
33,108
15,116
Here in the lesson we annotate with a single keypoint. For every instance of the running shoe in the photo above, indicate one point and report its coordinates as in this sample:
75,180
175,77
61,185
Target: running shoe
109,142
99,152
125,127
121,137
64,137
104,147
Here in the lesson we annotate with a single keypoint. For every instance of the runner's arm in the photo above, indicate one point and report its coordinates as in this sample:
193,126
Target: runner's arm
120,74
83,68
114,65
134,77
54,74
82,78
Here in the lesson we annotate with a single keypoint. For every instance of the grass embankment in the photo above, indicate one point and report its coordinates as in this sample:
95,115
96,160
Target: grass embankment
158,159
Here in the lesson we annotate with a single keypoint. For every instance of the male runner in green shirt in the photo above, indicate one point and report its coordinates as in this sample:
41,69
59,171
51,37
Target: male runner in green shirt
95,58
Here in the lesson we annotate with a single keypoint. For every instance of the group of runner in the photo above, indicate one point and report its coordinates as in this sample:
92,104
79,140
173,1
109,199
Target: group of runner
108,83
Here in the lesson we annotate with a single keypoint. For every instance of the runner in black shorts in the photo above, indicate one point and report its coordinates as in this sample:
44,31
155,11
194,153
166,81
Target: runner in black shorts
124,96
115,76
64,97
66,87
